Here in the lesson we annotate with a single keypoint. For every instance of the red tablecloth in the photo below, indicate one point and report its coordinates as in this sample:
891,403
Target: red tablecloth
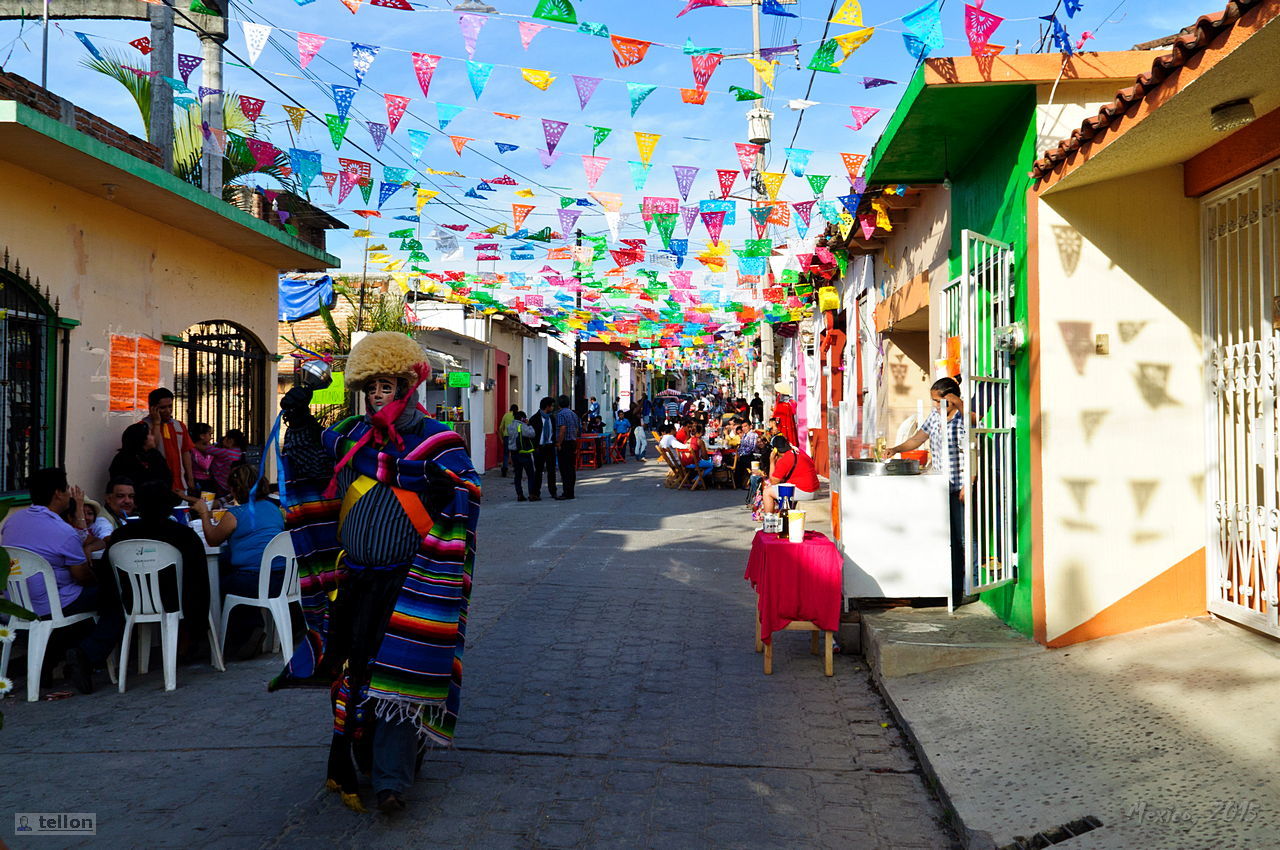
796,581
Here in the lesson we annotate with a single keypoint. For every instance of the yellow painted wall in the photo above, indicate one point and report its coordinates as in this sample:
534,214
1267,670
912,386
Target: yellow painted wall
1123,445
117,271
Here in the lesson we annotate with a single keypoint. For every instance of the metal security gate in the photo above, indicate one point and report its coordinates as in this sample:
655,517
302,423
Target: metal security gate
1242,357
988,337
220,379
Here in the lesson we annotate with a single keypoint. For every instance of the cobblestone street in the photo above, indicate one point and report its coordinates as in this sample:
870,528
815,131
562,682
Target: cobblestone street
611,699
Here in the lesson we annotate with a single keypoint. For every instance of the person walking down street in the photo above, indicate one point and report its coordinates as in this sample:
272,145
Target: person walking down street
568,427
386,549
503,426
172,440
544,456
757,410
520,435
639,440
646,410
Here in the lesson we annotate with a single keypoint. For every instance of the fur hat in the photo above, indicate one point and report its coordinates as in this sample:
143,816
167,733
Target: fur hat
383,353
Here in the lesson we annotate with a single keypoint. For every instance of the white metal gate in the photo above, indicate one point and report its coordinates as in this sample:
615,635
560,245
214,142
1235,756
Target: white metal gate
1241,226
988,338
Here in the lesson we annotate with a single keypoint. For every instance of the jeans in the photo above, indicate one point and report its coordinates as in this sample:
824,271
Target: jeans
704,467
544,461
523,464
568,467
957,548
395,756
641,442
504,453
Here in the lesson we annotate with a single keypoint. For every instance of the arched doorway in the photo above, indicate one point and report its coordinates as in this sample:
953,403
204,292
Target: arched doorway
219,378
30,363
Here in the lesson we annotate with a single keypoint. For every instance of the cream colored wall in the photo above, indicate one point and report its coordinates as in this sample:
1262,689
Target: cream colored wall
118,272
1123,454
906,381
918,245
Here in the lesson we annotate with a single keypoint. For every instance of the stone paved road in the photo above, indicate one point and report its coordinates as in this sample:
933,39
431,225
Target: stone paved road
612,700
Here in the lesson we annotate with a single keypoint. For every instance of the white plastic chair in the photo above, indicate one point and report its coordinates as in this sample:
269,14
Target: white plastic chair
139,562
26,565
281,546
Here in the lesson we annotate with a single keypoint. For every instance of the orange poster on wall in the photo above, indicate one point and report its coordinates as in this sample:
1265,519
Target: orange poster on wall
123,361
148,369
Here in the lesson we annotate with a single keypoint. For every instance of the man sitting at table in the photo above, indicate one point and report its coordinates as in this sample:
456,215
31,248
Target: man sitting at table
789,465
118,503
81,586
155,521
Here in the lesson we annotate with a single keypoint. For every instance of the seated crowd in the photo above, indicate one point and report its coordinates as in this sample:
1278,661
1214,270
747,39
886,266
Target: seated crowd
160,475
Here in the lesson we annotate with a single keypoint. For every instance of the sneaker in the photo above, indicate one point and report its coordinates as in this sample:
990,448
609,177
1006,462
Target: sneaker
78,671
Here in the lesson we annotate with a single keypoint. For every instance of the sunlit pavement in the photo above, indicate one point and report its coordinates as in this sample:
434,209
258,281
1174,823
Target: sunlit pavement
612,699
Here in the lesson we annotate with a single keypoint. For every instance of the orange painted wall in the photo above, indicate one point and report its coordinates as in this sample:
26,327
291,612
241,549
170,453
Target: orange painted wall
1176,593
1243,151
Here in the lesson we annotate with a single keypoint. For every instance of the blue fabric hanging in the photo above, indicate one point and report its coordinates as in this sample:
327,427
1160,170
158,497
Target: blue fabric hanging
300,299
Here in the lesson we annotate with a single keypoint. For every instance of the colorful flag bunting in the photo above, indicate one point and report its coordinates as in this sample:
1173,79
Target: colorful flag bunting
418,142
694,96
594,166
799,159
396,106
765,69
639,174
187,64
296,114
645,144
773,7
739,93
727,178
1060,37
548,159
599,134
849,43
876,82
385,191
714,223
638,92
264,153
698,4
853,163
378,132
586,87
362,56
519,212
255,38
142,44
1072,6
251,107
446,112
568,219
818,182
553,131
850,13
924,27
537,79
747,156
337,129
628,51
979,25
704,65
773,182
504,147
528,29
598,30
342,97
824,57
685,175
862,114
459,142
470,25
89,45
424,65
560,11
478,73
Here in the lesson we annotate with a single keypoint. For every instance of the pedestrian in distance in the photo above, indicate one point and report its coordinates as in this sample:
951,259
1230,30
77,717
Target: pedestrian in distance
503,426
757,410
544,455
568,428
521,436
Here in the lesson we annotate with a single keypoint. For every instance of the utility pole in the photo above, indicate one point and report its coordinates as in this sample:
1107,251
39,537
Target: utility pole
760,126
211,105
161,129
579,373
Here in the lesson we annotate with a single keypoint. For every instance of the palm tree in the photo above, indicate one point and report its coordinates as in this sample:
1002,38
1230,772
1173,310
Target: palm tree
188,136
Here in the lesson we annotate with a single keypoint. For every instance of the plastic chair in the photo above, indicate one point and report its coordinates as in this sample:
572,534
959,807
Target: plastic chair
27,565
139,563
588,453
281,546
618,448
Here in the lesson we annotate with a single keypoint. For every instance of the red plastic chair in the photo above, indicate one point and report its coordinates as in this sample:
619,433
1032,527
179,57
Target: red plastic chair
589,453
618,448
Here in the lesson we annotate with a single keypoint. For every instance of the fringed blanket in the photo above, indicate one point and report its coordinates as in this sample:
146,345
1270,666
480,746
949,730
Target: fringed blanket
416,667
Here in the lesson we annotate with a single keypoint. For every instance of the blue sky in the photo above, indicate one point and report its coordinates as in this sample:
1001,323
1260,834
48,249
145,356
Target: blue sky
701,136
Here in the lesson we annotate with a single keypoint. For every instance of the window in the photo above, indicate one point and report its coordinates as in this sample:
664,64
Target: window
29,366
220,379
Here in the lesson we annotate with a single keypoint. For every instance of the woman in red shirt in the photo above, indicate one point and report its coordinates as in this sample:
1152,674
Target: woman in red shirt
789,465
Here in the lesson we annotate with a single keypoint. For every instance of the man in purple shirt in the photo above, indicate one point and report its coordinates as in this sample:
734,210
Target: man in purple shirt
82,587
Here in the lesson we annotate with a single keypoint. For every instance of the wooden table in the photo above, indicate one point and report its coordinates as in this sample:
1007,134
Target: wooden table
799,589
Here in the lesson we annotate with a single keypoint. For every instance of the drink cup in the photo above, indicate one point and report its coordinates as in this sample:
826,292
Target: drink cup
795,520
786,491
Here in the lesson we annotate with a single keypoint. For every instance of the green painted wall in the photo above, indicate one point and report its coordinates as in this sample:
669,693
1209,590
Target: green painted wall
989,196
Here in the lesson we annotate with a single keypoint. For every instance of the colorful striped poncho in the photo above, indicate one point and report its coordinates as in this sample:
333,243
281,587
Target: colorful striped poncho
416,671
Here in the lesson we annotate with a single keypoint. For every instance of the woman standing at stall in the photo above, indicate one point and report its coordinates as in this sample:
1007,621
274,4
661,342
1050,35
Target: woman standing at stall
945,393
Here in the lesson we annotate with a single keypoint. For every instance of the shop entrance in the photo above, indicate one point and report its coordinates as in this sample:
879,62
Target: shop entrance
979,315
1241,250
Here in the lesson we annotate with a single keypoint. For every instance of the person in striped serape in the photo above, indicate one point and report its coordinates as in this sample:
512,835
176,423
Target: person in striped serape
383,521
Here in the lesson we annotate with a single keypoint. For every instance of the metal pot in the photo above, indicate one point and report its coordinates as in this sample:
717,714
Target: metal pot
868,466
315,374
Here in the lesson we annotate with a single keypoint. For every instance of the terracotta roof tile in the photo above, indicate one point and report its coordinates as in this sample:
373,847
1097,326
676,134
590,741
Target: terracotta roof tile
1188,44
